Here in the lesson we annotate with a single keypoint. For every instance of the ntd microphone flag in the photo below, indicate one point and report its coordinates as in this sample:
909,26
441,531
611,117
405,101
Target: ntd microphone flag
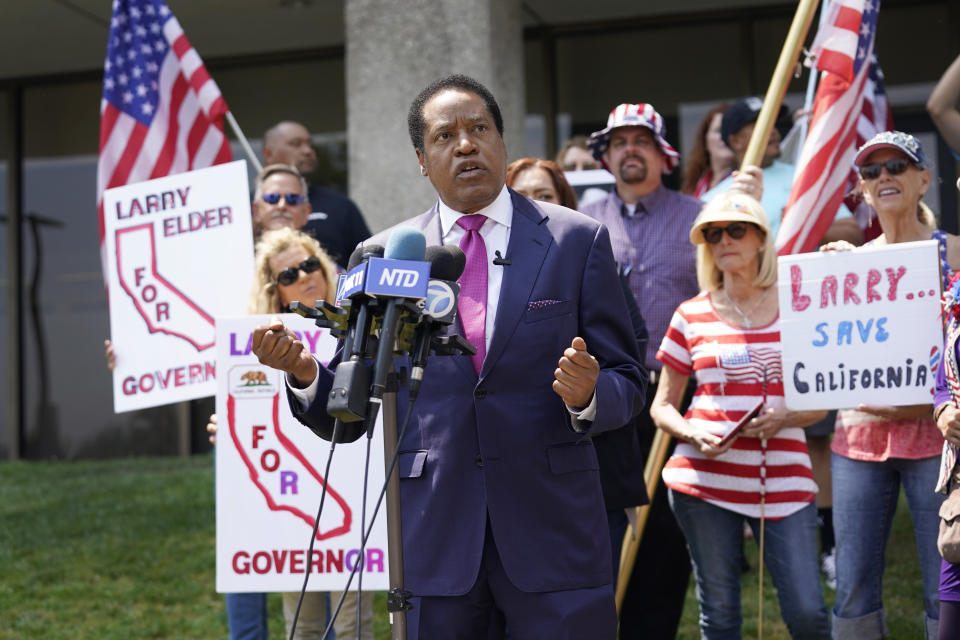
397,278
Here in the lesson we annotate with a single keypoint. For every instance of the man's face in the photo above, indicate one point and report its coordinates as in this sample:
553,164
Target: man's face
634,157
292,145
282,213
741,139
463,153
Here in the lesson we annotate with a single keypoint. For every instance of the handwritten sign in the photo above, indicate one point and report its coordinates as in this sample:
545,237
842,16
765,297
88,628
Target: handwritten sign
269,477
179,254
861,326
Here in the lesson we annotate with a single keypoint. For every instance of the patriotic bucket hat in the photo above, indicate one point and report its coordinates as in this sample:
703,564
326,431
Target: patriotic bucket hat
634,115
897,140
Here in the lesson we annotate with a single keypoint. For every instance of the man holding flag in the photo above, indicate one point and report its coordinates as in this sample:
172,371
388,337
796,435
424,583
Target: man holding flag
850,107
161,113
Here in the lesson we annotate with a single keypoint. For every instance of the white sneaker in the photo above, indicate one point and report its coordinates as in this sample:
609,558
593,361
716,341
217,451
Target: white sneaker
828,564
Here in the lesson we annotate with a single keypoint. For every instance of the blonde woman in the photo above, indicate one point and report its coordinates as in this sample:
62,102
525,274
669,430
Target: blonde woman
728,338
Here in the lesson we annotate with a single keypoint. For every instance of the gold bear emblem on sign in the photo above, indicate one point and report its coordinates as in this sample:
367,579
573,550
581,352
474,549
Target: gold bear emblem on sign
254,378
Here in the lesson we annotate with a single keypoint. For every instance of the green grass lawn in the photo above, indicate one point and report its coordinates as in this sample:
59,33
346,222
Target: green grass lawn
125,549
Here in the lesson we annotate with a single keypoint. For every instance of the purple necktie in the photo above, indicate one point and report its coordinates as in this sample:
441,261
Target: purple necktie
472,304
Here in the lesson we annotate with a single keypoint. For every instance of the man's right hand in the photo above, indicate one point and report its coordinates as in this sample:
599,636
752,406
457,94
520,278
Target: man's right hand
278,347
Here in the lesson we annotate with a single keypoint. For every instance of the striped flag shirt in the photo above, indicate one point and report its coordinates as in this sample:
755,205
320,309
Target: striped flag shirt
730,364
161,112
850,106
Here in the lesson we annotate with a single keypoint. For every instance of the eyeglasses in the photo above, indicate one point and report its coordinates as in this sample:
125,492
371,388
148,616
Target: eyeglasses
735,230
289,275
894,167
291,198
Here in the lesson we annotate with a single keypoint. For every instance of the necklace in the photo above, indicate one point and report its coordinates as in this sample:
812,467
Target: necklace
744,316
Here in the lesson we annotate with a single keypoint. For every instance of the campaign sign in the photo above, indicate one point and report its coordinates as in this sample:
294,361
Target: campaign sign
179,254
269,479
861,326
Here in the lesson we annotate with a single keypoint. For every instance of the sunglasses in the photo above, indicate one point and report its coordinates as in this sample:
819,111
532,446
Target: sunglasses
289,275
894,167
291,198
735,230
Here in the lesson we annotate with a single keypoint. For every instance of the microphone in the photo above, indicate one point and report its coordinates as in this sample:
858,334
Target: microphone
401,275
348,397
499,260
439,309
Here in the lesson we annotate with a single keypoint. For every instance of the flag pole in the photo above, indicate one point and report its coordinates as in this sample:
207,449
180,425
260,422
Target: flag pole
778,83
631,540
812,83
251,156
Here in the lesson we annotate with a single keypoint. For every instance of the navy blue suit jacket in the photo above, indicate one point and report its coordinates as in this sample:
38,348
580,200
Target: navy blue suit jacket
502,445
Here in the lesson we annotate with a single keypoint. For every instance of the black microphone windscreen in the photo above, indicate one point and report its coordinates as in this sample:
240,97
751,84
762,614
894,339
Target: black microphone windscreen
355,258
446,262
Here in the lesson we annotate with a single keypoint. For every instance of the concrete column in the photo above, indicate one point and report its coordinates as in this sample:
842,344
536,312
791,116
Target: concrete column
395,49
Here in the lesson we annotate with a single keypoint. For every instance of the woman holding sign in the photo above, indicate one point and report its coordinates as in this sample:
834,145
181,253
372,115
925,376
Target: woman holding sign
291,266
876,449
742,455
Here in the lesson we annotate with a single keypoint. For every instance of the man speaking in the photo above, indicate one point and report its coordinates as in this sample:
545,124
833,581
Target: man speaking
503,518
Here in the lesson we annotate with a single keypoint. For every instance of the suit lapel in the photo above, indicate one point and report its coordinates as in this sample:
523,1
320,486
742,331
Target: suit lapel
529,241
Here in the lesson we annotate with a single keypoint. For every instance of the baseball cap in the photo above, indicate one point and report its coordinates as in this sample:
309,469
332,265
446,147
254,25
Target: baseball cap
897,140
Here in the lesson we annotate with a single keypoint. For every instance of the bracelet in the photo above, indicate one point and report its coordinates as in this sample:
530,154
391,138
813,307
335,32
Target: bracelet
939,410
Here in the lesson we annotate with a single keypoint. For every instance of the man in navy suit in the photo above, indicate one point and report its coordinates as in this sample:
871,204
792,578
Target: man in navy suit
503,517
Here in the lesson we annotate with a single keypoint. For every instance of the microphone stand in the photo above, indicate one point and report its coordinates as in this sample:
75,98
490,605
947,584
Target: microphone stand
398,602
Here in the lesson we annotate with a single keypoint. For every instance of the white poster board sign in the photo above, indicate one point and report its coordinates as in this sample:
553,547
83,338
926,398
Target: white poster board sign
179,254
861,326
269,479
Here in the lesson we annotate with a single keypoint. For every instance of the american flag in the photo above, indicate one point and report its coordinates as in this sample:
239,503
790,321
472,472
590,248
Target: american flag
747,364
161,112
850,106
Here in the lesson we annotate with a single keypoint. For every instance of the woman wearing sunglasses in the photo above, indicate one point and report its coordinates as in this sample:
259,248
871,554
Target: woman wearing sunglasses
876,449
728,338
290,266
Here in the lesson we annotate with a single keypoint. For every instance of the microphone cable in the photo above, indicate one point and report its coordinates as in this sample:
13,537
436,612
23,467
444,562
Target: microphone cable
369,530
316,527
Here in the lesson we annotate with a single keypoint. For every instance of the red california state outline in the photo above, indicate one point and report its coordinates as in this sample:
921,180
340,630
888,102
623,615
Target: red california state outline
292,449
153,272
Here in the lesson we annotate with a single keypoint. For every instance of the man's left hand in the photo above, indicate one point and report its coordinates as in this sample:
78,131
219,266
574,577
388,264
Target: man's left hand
576,375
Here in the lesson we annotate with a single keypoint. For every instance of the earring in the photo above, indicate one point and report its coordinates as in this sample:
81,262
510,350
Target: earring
423,170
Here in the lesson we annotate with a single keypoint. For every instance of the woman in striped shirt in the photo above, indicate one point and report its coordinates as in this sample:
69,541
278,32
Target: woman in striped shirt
728,337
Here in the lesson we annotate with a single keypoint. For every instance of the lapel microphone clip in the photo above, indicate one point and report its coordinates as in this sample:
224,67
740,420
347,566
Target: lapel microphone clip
500,261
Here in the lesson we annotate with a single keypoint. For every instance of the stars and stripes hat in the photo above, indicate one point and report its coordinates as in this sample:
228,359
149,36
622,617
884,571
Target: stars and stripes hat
634,115
897,140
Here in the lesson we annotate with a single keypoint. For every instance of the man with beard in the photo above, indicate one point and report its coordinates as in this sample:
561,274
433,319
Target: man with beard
649,229
335,220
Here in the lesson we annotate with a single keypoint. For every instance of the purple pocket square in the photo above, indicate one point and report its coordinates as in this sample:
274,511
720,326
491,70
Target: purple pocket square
540,304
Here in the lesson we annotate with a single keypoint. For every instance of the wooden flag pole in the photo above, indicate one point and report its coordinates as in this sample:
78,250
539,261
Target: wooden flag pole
631,542
778,83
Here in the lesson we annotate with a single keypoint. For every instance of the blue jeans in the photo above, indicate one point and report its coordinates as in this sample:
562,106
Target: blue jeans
864,501
247,616
714,539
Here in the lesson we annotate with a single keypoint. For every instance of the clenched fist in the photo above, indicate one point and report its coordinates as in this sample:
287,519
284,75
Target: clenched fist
278,347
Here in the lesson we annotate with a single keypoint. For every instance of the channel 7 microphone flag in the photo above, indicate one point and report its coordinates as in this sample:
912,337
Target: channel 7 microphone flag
161,112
